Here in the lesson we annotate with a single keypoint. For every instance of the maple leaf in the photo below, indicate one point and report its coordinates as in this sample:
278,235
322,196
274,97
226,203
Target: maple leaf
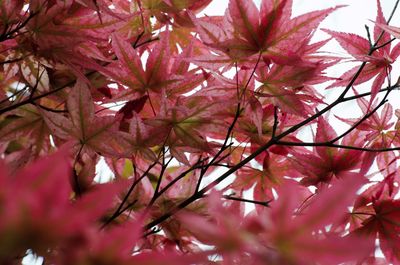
163,71
325,162
292,233
286,99
392,30
90,132
60,43
271,176
231,237
378,64
256,121
9,12
377,134
271,31
131,106
93,246
143,138
42,215
99,6
39,187
382,218
177,10
182,125
25,122
376,124
288,84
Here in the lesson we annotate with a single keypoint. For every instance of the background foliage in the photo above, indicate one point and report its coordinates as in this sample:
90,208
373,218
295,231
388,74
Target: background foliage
217,131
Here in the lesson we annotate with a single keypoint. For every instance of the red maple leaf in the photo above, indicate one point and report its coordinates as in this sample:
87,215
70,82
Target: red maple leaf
378,63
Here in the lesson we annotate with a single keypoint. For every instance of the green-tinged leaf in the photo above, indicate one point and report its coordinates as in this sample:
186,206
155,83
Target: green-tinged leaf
81,108
59,125
128,58
246,19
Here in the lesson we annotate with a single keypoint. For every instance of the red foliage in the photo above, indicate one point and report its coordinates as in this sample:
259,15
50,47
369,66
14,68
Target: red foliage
201,121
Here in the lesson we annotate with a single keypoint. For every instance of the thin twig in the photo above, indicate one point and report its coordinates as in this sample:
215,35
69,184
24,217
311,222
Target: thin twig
262,203
364,118
274,127
333,145
119,211
79,191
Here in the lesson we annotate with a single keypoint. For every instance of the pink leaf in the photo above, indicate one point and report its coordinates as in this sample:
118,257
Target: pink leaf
315,216
128,57
80,107
352,43
245,14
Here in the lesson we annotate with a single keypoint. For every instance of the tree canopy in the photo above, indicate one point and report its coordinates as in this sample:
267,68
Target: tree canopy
200,121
